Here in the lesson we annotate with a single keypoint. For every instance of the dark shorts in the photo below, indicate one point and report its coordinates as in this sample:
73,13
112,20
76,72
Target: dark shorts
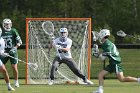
12,60
113,67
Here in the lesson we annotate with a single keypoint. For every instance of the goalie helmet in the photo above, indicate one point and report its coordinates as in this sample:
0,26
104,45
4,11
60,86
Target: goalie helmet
63,34
7,24
103,33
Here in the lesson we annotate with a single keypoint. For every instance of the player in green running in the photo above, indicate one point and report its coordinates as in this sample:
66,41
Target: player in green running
110,51
12,42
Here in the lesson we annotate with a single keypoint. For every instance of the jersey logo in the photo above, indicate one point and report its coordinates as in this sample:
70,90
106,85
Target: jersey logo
62,45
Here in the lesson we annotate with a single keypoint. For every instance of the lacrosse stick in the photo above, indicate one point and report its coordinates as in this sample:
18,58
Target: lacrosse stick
104,66
34,66
95,35
48,28
123,34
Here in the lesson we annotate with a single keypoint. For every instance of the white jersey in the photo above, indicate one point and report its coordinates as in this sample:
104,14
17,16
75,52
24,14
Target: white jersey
2,47
66,44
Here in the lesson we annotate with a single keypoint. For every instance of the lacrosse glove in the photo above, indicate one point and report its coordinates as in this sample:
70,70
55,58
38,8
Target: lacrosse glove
13,51
102,57
95,51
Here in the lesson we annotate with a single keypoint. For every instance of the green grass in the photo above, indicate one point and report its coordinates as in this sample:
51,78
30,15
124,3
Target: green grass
130,63
111,86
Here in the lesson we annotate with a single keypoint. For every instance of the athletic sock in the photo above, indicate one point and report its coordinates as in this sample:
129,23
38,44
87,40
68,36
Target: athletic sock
101,87
16,81
8,84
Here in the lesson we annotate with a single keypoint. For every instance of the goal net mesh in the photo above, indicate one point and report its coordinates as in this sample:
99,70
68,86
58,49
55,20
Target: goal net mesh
38,50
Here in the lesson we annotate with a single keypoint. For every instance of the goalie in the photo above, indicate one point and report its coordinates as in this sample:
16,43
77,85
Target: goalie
63,46
110,51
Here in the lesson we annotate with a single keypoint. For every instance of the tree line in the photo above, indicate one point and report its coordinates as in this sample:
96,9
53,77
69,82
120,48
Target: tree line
112,14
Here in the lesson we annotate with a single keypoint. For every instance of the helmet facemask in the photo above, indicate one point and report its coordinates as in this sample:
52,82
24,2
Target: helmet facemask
7,24
63,34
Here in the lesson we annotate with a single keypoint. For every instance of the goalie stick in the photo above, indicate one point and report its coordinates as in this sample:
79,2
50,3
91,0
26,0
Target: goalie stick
48,28
123,34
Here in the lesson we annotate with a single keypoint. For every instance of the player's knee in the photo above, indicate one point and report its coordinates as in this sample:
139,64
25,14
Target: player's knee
121,79
100,75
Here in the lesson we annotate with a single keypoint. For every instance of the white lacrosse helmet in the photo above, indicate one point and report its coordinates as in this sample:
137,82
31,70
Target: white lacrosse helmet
7,24
64,32
103,33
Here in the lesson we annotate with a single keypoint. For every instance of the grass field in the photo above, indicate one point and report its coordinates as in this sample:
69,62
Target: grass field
130,62
111,86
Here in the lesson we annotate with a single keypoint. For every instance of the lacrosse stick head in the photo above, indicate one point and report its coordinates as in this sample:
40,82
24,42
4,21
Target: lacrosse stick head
121,33
48,28
95,35
33,66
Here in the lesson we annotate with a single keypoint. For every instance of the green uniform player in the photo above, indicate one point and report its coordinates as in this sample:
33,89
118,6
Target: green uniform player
110,51
12,42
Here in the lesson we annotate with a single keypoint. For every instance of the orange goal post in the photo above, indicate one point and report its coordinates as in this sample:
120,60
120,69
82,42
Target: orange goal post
39,52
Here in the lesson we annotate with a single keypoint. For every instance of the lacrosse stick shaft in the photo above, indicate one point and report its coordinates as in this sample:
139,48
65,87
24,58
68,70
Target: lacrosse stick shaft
123,34
16,58
34,66
133,37
104,66
57,49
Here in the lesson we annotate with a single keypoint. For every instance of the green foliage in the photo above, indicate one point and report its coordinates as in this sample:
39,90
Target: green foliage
117,14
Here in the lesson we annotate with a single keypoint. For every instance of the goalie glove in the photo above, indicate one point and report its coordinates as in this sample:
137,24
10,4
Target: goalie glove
102,57
58,47
13,51
95,51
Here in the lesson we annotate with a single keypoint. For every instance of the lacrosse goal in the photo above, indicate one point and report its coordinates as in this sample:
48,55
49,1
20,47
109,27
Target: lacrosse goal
37,49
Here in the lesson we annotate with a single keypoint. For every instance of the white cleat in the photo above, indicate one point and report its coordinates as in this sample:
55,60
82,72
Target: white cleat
98,91
10,88
50,82
17,84
88,82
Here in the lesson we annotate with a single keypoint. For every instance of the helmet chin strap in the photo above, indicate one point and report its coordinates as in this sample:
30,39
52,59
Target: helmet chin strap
7,29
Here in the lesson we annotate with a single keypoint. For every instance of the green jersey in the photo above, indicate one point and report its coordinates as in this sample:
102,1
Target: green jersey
110,48
11,38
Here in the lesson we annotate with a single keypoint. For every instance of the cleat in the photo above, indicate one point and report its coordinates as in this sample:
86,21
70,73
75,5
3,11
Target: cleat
88,82
50,82
17,84
10,88
98,91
